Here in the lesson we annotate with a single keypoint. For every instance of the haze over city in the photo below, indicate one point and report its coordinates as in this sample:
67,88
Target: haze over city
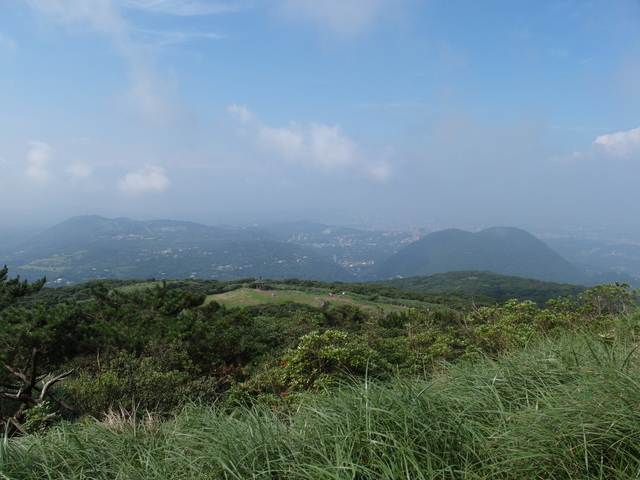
382,111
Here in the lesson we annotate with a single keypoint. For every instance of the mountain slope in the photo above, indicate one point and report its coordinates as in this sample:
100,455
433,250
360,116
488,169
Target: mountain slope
85,248
508,251
488,284
613,260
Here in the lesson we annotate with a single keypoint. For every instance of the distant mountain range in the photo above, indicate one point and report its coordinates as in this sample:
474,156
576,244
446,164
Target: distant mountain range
93,247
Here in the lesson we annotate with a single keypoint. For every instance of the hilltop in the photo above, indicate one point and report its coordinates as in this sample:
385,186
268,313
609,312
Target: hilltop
487,284
508,251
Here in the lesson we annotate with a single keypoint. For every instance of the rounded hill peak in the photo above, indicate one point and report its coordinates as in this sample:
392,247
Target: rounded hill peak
504,250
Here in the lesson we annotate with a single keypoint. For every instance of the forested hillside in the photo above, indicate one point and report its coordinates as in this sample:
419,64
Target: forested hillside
154,362
488,284
508,251
93,247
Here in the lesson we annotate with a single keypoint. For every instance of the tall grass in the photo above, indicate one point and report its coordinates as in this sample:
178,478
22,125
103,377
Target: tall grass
567,408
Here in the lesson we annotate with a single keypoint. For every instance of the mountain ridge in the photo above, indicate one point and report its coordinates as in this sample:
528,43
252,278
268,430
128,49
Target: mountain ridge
90,247
93,247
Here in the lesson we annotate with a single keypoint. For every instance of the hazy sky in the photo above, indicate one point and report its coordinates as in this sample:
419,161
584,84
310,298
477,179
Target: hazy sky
495,109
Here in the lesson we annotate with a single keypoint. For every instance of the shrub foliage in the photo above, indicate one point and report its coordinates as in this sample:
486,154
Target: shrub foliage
472,389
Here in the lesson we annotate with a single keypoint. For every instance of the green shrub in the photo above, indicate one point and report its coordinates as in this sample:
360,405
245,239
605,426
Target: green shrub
159,380
321,357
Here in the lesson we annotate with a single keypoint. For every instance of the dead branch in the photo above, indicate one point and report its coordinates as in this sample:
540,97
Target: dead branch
32,390
15,373
63,404
52,381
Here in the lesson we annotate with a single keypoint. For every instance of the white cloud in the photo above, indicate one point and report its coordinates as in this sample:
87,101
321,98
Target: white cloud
621,145
146,180
612,146
317,146
38,159
79,171
182,7
177,37
241,113
574,157
152,97
287,143
379,171
101,15
329,149
346,18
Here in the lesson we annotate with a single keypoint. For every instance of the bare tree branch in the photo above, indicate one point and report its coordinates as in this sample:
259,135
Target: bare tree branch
15,373
63,404
29,393
52,381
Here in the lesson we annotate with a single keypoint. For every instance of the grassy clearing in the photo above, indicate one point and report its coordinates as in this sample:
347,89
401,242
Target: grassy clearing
243,297
566,408
140,286
45,269
57,263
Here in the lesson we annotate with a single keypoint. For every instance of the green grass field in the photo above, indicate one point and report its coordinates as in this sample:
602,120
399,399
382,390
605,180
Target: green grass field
56,263
247,296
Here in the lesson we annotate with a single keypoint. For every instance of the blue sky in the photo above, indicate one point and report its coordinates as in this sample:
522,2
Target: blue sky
506,112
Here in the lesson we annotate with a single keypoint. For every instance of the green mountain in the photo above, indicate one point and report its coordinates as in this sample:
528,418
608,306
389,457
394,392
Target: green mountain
487,284
93,247
508,251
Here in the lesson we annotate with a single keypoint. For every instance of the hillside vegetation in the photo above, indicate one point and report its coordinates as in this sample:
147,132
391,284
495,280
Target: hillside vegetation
559,409
488,284
256,291
160,380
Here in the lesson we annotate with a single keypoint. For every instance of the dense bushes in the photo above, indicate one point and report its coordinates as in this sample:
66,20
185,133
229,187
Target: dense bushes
157,347
188,389
560,408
